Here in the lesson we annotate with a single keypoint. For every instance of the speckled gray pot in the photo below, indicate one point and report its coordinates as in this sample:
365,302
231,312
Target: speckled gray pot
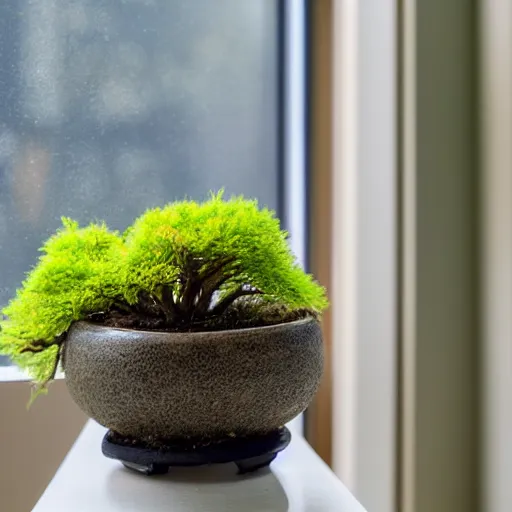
142,383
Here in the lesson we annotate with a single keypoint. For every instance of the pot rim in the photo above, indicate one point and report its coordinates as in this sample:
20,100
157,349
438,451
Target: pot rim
198,334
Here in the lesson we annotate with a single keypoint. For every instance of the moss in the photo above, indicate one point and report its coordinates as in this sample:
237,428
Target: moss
221,264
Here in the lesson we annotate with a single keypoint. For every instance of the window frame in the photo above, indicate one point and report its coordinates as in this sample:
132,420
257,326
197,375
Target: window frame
496,253
365,249
392,434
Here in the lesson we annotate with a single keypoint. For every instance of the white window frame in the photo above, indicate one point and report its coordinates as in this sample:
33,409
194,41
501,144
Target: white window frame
364,258
405,372
496,255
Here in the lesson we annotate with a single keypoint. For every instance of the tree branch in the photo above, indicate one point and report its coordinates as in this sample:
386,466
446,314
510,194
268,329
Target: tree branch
149,305
192,289
40,345
169,304
55,366
209,288
199,287
33,349
227,301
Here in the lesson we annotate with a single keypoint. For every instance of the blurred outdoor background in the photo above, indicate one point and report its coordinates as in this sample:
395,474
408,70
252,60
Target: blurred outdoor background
110,108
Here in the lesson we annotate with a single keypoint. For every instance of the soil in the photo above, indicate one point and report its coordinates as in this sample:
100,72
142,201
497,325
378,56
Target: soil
241,315
178,443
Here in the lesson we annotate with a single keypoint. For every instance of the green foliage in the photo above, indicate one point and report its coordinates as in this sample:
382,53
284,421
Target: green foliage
76,274
227,246
184,266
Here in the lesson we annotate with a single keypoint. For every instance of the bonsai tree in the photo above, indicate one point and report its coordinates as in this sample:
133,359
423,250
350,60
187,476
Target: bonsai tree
221,264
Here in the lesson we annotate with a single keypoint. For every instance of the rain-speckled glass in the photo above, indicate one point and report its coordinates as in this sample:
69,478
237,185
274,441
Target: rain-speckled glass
108,107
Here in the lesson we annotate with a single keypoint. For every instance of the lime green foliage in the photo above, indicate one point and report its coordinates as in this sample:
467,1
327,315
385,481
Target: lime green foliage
183,266
76,273
185,252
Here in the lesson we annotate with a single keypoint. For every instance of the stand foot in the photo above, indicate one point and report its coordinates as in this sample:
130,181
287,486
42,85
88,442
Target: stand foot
149,470
255,463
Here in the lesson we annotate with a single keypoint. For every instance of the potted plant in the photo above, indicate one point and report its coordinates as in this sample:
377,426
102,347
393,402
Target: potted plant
193,336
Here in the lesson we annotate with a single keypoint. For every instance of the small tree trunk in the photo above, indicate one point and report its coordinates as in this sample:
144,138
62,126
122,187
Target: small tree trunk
227,301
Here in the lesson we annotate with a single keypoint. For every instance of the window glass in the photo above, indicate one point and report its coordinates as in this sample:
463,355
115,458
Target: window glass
108,107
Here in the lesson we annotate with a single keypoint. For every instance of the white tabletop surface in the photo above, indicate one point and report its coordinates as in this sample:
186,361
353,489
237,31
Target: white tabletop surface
298,481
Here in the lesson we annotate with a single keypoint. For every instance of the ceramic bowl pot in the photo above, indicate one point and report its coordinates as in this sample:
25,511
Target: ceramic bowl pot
163,385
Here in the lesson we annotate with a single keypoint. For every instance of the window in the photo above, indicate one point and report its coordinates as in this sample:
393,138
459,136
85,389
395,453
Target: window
110,107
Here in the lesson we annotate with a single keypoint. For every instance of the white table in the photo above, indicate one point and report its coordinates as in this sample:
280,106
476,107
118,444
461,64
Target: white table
298,481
